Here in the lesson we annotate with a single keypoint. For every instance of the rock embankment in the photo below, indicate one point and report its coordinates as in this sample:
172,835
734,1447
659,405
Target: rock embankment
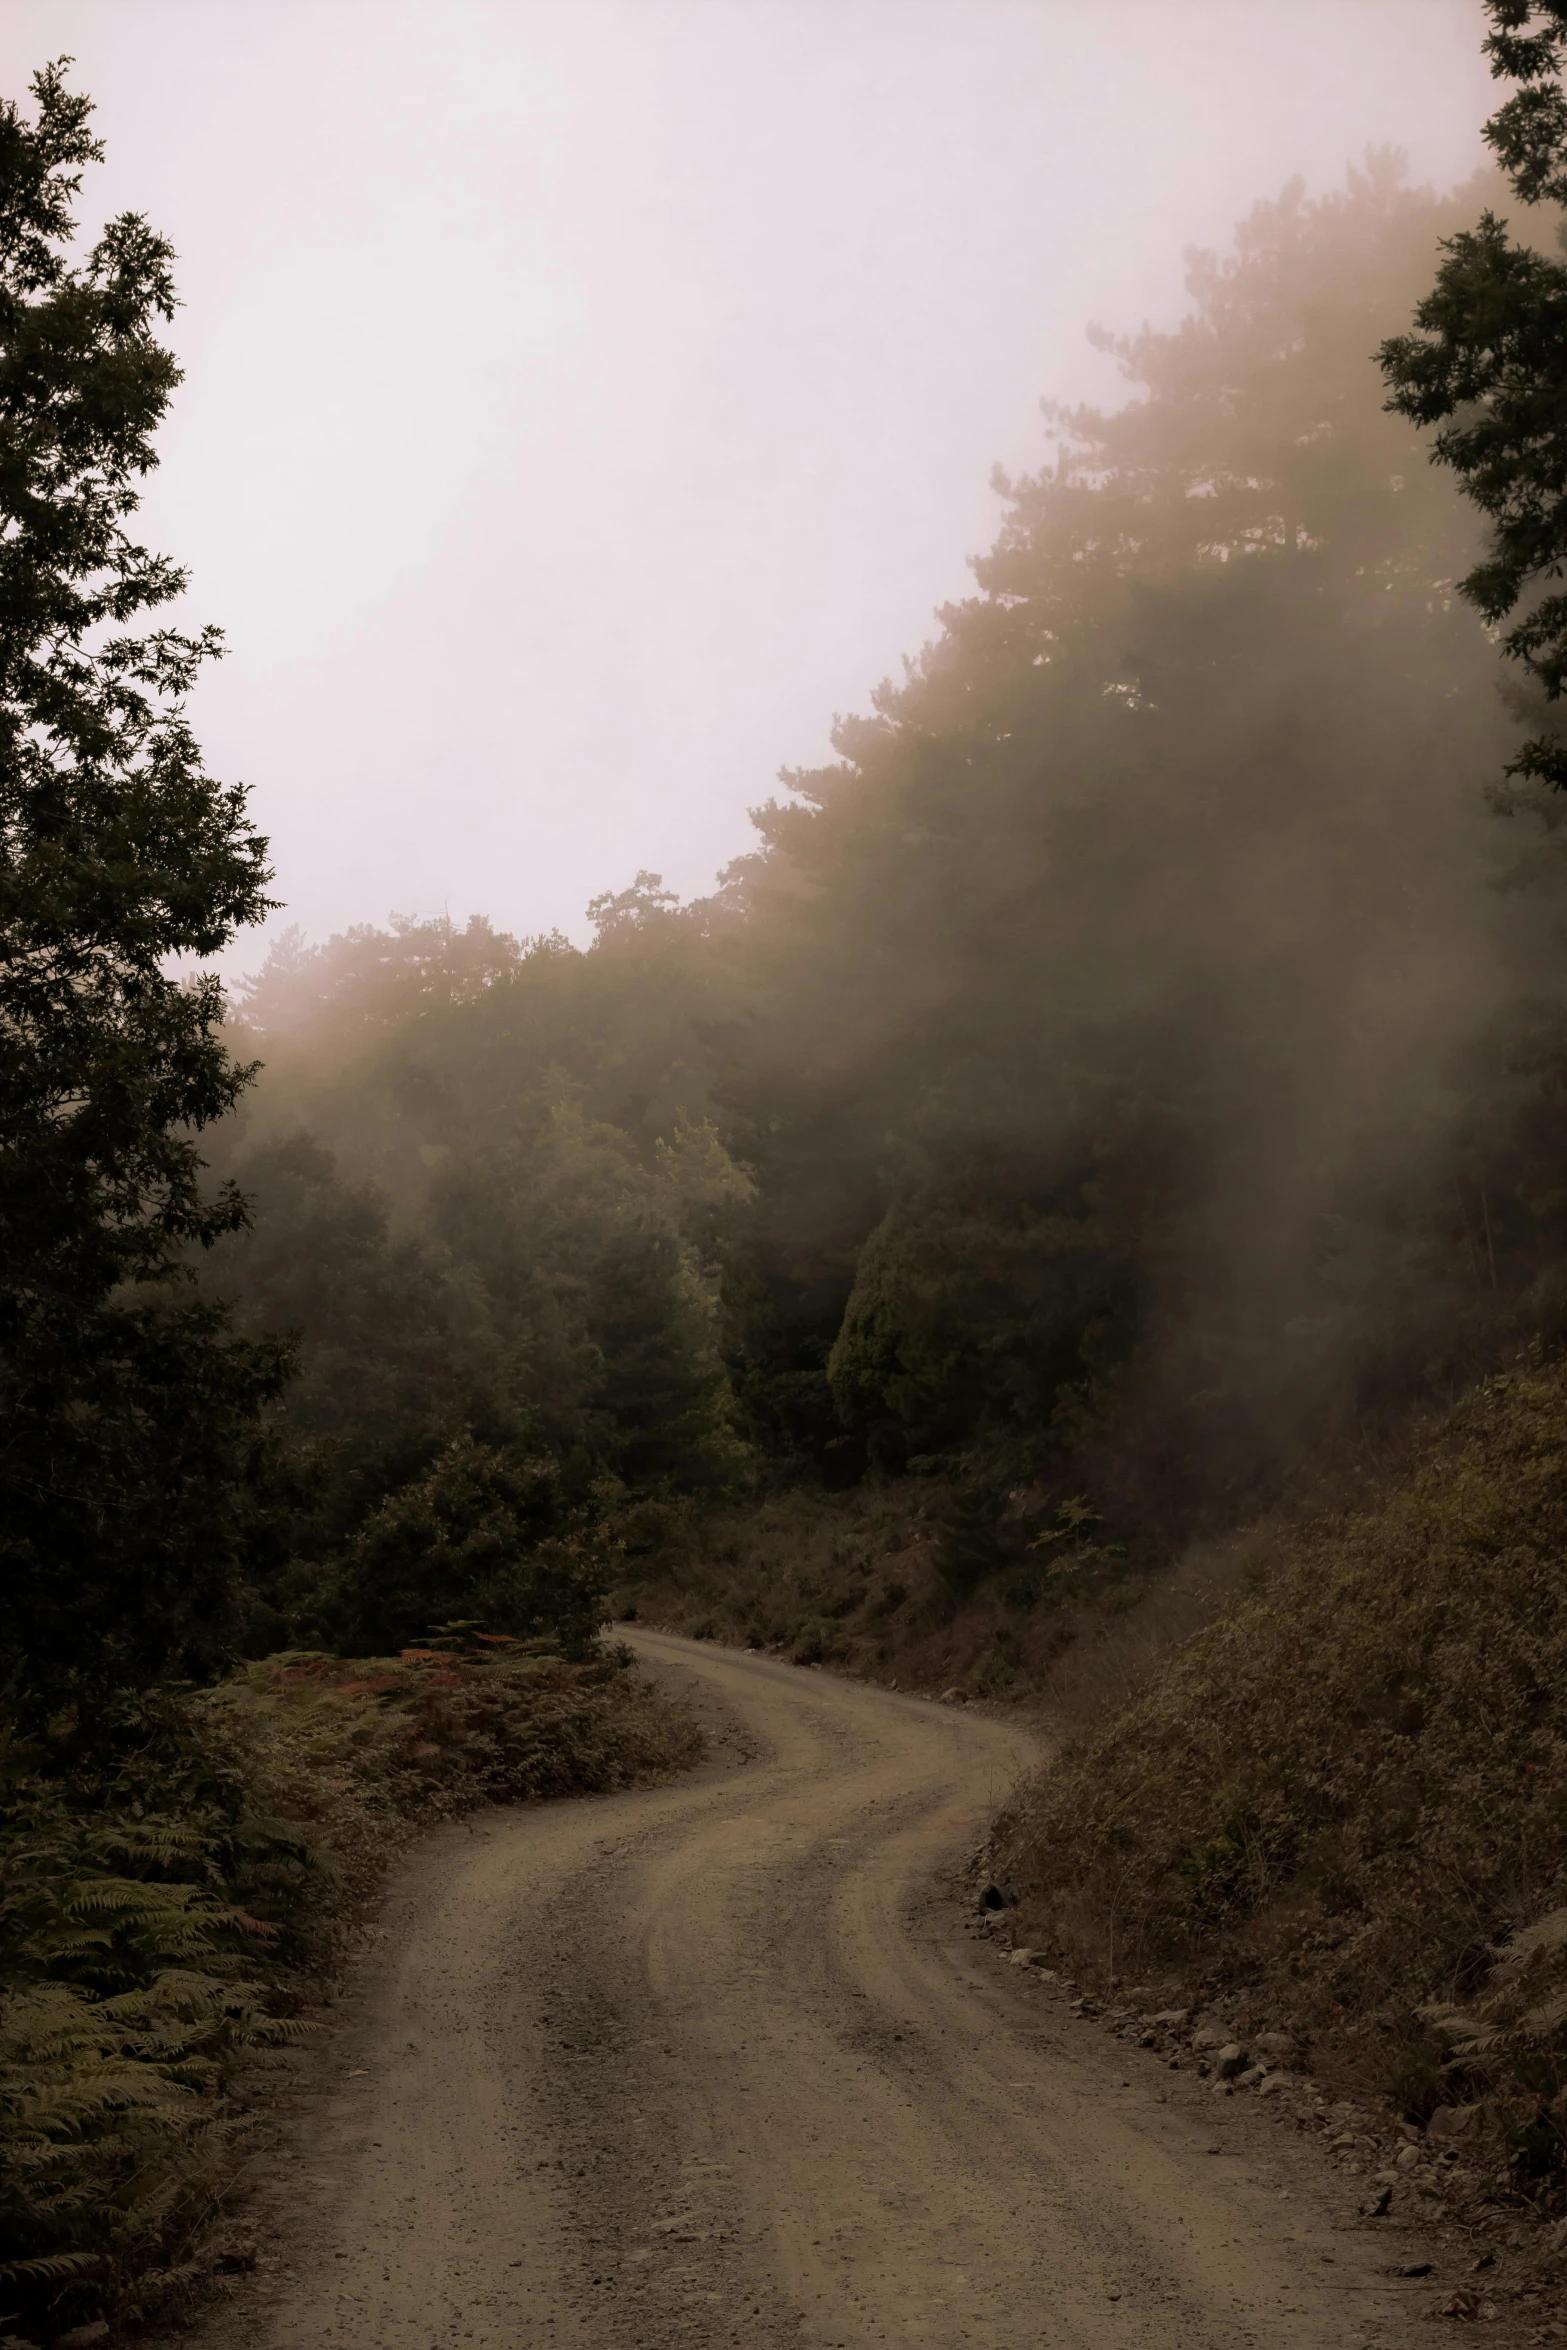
1452,2174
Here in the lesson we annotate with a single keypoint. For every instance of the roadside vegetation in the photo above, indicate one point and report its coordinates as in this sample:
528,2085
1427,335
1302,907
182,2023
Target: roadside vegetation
1340,1808
930,1584
178,1884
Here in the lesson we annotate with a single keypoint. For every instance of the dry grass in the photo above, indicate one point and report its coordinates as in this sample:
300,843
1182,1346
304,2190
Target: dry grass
852,1580
1347,1793
855,1581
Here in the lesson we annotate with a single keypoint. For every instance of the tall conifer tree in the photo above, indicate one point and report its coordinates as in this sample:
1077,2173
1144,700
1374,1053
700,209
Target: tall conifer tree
126,1407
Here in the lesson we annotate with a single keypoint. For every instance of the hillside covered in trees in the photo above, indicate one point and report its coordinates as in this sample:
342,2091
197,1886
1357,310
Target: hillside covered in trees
1132,1069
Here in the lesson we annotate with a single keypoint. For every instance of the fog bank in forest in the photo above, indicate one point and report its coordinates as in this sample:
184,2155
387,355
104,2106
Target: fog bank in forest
1134,1061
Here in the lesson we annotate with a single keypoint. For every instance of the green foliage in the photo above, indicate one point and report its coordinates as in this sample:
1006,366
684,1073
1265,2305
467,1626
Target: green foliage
971,1544
595,1256
130,1974
125,1409
1487,362
479,1535
396,1355
472,1398
175,1875
976,1304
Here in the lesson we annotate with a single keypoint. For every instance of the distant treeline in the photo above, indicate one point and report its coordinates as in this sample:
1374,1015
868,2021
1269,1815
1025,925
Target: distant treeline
1139,1059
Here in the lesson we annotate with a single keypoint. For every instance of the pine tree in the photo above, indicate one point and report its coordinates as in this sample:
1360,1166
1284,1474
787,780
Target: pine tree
1488,365
127,1409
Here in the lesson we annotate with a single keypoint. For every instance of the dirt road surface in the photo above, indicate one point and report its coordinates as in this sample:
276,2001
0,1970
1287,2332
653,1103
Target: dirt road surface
718,2063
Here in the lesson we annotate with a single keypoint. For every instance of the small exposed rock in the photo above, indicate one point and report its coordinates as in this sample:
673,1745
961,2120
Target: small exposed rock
1207,2036
1406,2157
1275,2082
1230,2060
1274,2044
1172,2019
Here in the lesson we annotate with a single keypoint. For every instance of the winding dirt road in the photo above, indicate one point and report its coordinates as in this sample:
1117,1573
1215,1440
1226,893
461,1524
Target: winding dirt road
718,2063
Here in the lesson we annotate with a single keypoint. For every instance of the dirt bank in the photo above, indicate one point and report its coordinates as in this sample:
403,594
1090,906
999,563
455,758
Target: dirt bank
720,2063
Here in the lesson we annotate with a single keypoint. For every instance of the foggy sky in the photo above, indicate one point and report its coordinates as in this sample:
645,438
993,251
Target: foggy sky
587,398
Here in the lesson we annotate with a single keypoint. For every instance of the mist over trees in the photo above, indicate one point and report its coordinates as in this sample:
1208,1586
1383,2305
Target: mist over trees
1130,1069
1133,1062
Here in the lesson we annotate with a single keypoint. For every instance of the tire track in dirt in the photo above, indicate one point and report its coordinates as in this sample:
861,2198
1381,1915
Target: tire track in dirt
716,2063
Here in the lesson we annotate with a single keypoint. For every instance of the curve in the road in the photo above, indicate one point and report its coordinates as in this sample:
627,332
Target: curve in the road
717,2063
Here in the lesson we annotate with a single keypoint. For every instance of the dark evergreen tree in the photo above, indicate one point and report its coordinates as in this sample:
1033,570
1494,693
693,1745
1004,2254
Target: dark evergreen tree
483,1539
1488,366
127,1409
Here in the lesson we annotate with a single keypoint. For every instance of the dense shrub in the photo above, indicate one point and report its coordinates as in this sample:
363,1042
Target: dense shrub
481,1536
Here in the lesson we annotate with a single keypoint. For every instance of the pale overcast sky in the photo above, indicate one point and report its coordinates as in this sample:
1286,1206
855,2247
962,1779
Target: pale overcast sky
587,398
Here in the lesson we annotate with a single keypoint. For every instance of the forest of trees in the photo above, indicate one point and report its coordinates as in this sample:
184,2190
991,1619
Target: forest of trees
1136,1060
1136,1063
